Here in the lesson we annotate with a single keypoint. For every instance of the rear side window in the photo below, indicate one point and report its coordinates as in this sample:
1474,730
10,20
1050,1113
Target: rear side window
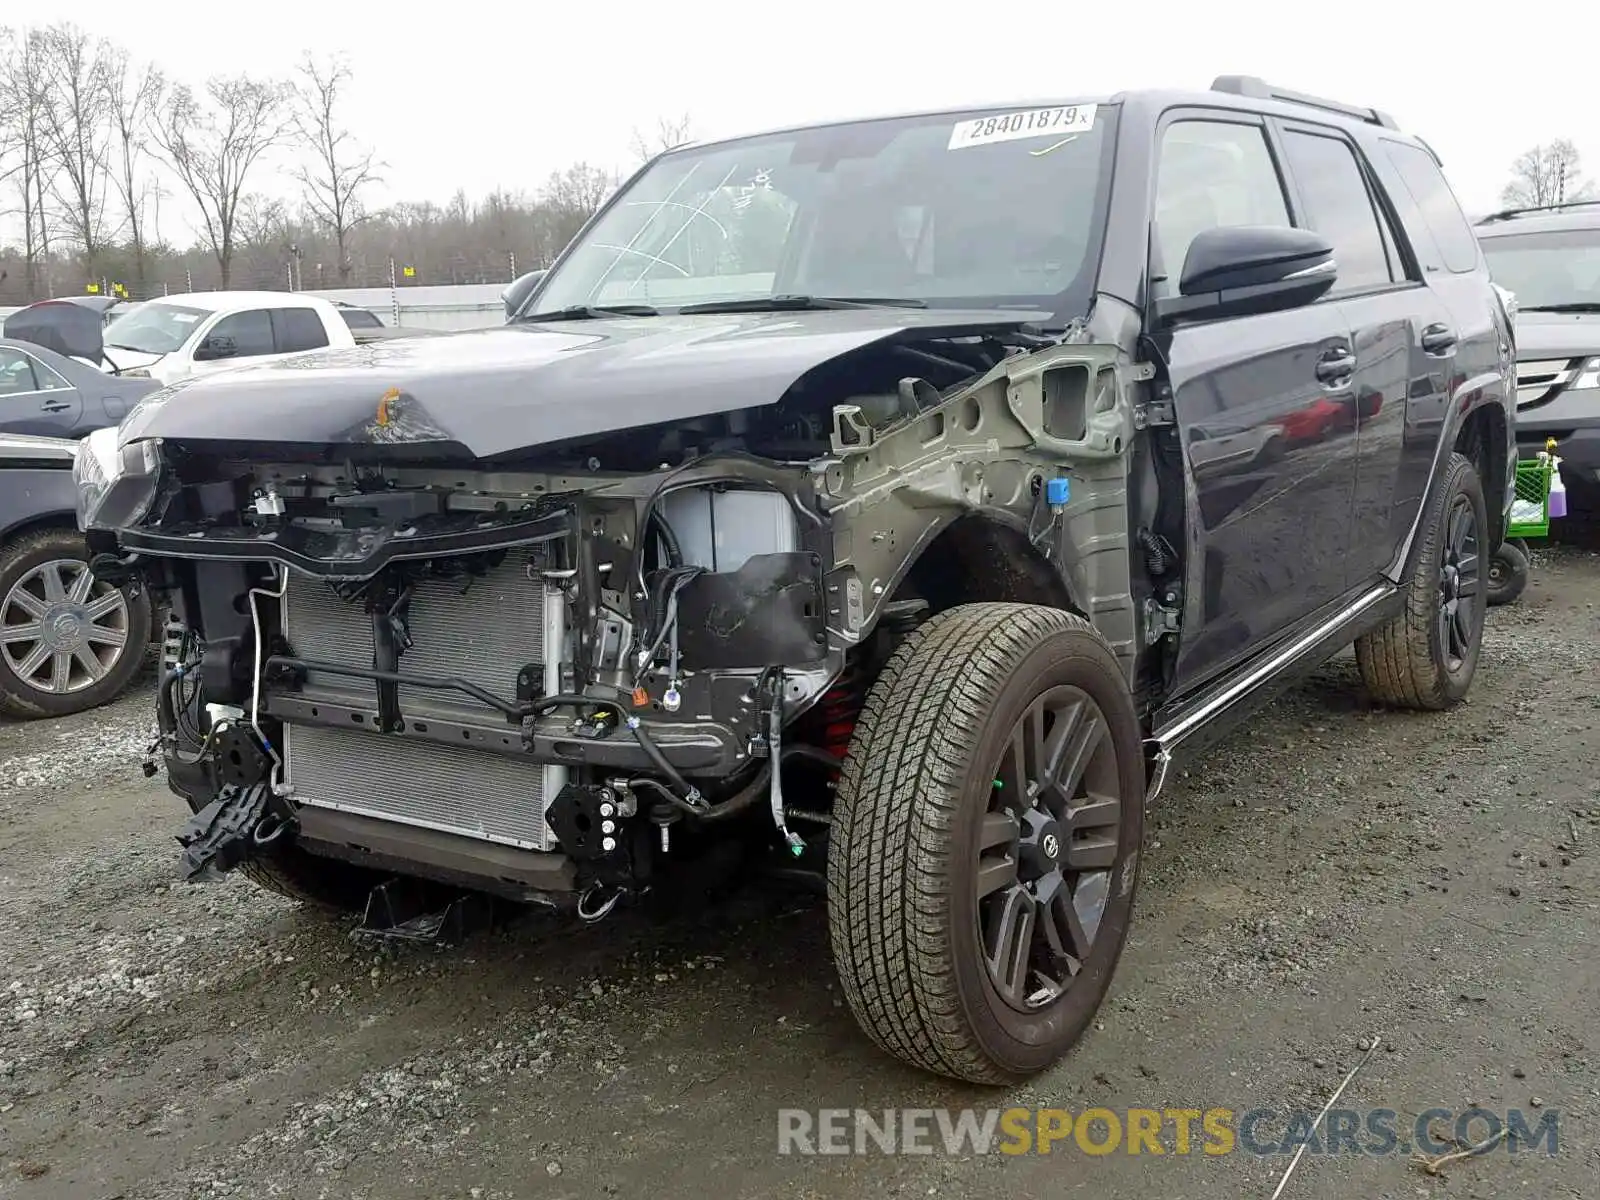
1212,174
299,329
1440,212
360,318
16,372
247,334
1339,207
47,378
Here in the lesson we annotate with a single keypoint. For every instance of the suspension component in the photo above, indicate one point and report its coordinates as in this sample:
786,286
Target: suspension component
838,710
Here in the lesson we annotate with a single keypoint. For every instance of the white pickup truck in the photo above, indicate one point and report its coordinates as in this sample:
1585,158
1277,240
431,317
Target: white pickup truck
194,334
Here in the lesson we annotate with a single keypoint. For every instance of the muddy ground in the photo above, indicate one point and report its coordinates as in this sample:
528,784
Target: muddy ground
1331,873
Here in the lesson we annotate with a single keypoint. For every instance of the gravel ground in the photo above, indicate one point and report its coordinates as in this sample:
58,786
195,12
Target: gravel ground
1329,873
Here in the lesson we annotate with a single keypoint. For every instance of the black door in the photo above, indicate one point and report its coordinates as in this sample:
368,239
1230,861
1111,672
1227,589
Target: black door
1403,335
1465,345
1270,466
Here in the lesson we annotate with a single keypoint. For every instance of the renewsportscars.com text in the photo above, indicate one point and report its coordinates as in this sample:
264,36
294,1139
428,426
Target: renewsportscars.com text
1155,1131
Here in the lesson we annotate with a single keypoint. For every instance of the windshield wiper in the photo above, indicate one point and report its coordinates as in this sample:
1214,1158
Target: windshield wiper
800,303
592,312
1577,306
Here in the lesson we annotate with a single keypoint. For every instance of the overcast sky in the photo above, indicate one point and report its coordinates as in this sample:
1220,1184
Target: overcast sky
478,95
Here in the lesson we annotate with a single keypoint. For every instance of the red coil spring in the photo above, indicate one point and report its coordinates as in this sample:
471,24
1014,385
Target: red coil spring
836,713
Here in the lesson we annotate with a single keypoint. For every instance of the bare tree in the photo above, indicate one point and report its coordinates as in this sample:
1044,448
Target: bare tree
669,132
1549,173
24,100
76,124
580,189
339,168
262,223
133,95
211,147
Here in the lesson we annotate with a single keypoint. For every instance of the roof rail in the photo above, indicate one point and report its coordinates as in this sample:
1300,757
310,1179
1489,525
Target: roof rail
1506,214
1259,89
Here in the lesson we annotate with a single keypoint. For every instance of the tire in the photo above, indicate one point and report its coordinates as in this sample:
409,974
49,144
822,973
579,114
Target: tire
45,586
1413,661
1508,574
921,791
326,883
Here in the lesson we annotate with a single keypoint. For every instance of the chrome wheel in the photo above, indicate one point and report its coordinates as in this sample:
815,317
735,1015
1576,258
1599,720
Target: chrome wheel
61,630
1047,848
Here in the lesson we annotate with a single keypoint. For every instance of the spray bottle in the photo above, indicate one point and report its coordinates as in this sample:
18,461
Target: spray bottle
1558,489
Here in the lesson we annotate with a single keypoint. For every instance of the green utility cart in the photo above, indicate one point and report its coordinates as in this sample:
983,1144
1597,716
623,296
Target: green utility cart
1540,499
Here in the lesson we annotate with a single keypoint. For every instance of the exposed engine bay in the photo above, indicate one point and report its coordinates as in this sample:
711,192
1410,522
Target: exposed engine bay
534,674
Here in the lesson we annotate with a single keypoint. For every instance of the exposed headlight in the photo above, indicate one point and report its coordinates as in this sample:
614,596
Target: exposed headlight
1588,375
115,484
136,373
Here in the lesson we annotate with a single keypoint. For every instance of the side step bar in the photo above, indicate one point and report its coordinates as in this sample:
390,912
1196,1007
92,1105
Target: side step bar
1310,647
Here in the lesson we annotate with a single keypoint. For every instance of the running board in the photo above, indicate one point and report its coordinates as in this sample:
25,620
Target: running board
1310,648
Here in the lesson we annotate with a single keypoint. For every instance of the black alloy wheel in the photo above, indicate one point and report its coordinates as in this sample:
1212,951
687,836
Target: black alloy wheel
983,859
1047,845
1460,583
1426,655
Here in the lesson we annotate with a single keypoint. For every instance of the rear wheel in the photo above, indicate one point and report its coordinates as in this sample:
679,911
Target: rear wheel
1426,657
68,642
983,858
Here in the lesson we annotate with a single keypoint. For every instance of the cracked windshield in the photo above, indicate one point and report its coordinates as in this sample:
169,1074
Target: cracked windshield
947,210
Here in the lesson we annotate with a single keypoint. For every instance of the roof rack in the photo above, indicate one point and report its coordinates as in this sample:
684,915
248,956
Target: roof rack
1259,89
1506,214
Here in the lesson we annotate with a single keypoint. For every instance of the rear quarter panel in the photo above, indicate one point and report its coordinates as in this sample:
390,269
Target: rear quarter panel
35,494
1480,374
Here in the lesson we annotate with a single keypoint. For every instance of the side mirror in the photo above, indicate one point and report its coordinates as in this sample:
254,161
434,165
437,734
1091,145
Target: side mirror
518,291
1242,270
215,347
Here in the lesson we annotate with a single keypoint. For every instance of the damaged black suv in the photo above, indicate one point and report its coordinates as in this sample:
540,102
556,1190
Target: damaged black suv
895,496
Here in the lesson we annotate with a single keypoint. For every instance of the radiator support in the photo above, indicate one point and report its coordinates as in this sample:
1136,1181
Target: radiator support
485,631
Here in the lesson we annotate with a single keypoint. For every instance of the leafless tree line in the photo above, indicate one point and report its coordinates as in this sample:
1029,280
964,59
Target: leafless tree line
1549,173
92,143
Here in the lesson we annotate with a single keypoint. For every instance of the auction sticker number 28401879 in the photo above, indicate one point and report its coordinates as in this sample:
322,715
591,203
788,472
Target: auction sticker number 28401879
1011,127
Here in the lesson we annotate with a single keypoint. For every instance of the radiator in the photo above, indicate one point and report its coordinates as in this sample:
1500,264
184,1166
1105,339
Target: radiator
484,631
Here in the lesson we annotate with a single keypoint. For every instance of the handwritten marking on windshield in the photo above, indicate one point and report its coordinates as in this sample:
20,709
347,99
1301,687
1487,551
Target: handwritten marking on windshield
655,258
1057,146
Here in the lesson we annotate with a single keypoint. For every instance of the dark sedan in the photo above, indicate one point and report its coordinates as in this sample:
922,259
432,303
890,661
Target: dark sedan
48,394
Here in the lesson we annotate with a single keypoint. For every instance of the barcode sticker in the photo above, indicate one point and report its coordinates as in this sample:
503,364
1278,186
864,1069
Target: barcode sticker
1012,127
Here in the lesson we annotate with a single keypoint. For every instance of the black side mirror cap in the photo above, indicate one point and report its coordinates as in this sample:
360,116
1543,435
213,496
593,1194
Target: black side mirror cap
214,348
1241,270
518,291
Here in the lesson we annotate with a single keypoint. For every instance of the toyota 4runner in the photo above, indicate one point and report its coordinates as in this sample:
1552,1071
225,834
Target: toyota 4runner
900,494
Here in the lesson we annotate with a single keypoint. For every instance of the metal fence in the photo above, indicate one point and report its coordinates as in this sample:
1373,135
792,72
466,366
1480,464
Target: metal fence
254,273
463,306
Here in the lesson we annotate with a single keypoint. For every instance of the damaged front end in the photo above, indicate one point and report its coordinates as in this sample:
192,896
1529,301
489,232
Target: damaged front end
549,672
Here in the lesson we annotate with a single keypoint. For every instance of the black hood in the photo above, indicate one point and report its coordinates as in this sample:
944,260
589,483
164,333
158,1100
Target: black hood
1547,335
495,391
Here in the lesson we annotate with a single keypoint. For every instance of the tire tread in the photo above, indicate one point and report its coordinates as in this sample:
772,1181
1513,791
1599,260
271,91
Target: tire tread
1396,660
888,899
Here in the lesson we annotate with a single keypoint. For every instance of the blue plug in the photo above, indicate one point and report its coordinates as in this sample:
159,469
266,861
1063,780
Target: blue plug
1057,492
